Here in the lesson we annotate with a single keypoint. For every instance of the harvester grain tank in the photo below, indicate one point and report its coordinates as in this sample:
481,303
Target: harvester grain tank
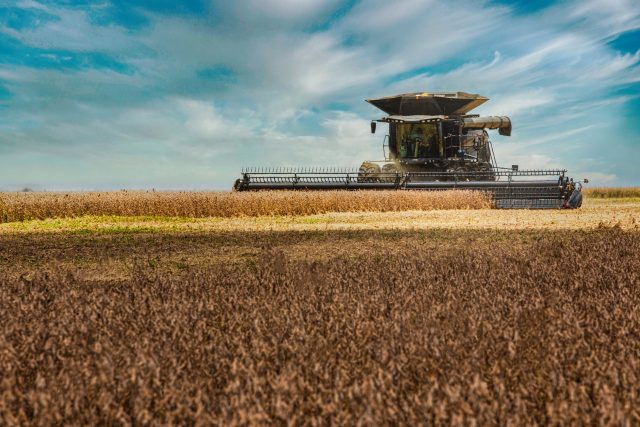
433,143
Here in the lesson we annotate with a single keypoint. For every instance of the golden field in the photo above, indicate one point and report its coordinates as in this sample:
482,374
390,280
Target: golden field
612,192
27,206
595,213
150,211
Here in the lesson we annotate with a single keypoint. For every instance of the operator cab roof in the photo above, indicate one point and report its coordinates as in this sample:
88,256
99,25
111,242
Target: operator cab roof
411,119
428,104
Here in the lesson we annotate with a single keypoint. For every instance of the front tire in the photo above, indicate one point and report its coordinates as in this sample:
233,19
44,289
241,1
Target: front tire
369,172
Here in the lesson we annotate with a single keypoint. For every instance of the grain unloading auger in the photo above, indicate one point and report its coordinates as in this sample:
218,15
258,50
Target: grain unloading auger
433,144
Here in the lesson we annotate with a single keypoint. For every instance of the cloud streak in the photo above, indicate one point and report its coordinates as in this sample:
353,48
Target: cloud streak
282,82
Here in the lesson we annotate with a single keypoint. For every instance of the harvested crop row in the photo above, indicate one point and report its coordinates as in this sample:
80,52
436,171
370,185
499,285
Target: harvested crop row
541,333
25,206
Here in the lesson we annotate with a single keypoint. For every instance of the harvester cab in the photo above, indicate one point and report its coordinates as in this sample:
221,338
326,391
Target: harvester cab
432,132
433,144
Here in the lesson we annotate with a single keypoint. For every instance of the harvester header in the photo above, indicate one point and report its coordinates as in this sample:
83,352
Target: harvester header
433,143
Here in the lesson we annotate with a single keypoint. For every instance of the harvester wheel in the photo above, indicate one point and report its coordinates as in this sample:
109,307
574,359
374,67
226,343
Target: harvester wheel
452,173
390,173
369,172
460,172
486,173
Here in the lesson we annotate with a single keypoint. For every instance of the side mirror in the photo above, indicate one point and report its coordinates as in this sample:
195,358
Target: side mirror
373,127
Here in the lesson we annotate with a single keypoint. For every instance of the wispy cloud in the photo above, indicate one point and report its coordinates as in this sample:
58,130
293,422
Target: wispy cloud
282,82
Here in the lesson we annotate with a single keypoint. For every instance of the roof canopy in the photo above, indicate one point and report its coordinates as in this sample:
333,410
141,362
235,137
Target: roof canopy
411,119
430,104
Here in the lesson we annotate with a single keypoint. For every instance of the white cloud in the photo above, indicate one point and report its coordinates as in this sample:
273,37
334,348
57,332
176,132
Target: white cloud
519,103
609,16
552,72
71,29
295,11
30,4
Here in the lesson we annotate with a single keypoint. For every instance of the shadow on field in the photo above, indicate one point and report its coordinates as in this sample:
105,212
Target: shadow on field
36,250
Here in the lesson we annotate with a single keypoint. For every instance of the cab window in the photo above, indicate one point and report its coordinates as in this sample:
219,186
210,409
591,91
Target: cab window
417,140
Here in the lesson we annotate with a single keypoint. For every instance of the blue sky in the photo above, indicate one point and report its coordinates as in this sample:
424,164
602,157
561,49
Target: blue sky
114,94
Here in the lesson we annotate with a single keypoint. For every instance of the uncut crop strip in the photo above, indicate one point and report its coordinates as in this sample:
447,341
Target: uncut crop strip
612,192
27,206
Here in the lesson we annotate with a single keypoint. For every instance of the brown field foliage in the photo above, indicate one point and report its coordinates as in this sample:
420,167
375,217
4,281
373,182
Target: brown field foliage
471,329
612,192
25,206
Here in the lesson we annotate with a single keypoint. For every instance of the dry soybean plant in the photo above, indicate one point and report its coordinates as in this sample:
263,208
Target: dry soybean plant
495,335
26,206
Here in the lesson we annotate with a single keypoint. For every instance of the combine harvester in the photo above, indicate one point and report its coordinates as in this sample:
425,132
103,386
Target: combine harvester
433,144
